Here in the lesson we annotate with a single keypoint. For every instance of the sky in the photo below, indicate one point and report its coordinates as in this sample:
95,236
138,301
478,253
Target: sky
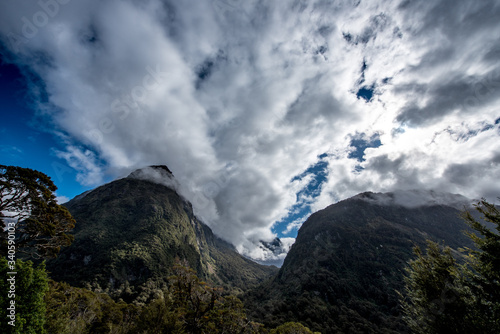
265,111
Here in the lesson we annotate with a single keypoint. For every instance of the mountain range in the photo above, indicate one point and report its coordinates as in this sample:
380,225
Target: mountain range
341,275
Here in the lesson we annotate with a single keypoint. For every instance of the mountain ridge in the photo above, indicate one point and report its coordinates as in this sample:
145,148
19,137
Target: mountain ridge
129,233
341,274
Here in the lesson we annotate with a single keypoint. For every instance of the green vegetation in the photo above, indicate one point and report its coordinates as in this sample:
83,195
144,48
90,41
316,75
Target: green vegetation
192,306
443,296
188,305
22,306
484,265
436,301
75,310
28,208
291,328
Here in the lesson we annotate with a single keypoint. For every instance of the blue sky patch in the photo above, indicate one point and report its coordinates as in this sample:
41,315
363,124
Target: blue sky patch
299,212
360,143
24,143
365,93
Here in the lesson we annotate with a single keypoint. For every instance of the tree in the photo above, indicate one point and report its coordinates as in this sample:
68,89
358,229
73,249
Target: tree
77,310
27,308
202,308
443,296
435,300
483,271
159,317
32,220
192,306
291,328
192,297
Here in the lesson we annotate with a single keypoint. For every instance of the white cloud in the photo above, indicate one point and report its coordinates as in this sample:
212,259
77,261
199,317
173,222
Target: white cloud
266,87
84,161
62,199
417,198
294,225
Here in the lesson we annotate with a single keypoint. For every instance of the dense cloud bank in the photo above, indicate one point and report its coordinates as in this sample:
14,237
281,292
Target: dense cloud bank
239,97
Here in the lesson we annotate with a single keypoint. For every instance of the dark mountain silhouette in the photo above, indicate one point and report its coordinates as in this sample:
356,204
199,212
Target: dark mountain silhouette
342,273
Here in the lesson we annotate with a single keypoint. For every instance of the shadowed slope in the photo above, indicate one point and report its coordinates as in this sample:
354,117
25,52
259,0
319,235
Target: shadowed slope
342,273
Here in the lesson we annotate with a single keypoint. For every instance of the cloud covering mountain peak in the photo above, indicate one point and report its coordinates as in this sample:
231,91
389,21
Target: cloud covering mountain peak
416,198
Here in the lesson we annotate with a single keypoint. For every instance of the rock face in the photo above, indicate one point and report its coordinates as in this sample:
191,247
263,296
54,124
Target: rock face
130,232
342,273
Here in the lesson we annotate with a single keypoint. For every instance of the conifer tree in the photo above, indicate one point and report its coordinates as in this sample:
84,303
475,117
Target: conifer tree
443,296
435,300
483,270
30,213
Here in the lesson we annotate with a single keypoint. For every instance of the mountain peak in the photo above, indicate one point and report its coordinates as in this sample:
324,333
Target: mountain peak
161,168
157,168
159,174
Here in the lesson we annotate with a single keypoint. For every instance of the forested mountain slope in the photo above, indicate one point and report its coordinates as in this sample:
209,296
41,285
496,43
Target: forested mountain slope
342,273
129,233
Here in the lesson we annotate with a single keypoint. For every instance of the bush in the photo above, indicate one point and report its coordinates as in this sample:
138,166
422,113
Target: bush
28,311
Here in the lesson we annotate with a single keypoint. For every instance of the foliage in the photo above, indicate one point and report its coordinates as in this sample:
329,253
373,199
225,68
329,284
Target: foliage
445,297
158,317
483,271
291,328
436,300
28,206
75,310
188,306
31,283
192,306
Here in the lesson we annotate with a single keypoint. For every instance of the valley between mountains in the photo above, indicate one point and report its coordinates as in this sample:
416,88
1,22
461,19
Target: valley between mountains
340,276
